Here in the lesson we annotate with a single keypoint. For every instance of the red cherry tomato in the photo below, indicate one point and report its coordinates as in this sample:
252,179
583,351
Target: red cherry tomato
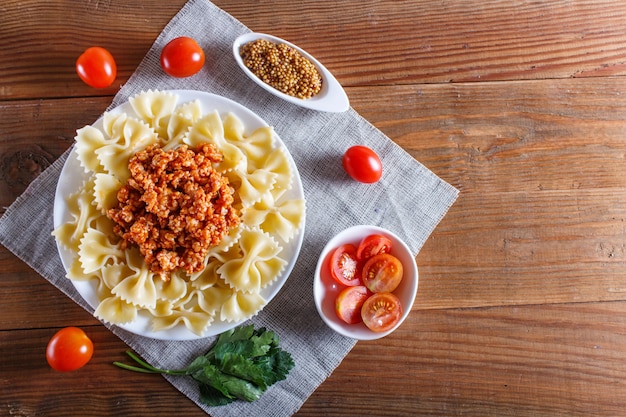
362,164
69,349
381,311
349,302
344,266
96,67
373,245
182,57
382,273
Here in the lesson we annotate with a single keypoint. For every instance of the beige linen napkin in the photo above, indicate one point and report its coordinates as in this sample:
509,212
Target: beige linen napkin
409,200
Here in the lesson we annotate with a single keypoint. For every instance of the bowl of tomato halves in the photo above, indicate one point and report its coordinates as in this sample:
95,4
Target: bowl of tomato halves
365,282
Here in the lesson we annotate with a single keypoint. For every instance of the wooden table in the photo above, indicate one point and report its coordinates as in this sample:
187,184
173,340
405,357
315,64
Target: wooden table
520,105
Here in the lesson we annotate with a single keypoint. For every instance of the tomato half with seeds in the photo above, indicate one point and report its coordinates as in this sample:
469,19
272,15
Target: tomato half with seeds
182,57
344,266
373,245
96,67
69,349
349,302
382,273
381,311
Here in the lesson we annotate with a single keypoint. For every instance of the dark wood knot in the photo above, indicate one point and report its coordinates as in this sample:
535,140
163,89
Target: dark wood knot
20,167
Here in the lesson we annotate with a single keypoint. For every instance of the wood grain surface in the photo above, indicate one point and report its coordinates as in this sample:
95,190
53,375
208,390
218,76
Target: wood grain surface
521,105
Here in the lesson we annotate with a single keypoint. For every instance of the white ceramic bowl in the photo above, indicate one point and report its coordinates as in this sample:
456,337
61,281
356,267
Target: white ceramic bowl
332,98
325,288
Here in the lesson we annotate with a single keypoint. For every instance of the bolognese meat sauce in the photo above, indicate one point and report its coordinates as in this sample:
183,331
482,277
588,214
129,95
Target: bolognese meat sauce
174,207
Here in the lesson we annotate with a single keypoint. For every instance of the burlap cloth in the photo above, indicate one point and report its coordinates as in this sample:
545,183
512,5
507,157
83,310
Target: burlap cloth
409,200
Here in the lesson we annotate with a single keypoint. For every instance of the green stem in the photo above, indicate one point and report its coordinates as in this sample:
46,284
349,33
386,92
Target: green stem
147,368
133,368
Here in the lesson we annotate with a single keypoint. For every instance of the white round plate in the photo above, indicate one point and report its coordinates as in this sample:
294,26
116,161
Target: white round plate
332,98
72,177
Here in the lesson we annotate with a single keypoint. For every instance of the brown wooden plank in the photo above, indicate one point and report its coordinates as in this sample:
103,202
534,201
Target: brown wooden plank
540,168
432,41
97,389
401,42
34,133
49,36
504,361
526,360
553,134
30,302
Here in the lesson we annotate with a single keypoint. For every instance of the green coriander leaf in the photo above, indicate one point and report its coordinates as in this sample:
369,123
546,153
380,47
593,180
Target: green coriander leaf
238,347
233,335
211,376
212,397
229,386
275,366
241,388
282,364
263,342
237,365
198,363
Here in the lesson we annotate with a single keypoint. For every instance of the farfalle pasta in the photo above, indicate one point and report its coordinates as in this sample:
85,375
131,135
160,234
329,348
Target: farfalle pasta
249,258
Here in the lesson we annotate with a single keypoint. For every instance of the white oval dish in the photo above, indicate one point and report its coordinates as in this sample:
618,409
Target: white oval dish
73,175
326,289
332,98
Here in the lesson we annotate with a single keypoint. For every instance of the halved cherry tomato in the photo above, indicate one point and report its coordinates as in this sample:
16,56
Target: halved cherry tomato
349,302
69,349
382,273
381,311
373,245
344,266
182,57
96,67
362,164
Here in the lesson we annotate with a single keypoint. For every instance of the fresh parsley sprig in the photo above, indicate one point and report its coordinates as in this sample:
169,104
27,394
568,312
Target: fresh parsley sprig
241,364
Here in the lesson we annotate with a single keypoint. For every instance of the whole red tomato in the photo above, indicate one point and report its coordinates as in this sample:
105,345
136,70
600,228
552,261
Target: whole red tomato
96,67
362,164
182,57
69,349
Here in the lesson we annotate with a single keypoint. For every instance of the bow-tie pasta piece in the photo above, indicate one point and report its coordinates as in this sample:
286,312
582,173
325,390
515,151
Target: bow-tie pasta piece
116,310
196,321
210,129
105,191
183,118
155,108
241,306
283,218
96,250
139,286
213,298
114,157
88,139
278,163
188,311
173,289
83,215
252,187
258,264
256,145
